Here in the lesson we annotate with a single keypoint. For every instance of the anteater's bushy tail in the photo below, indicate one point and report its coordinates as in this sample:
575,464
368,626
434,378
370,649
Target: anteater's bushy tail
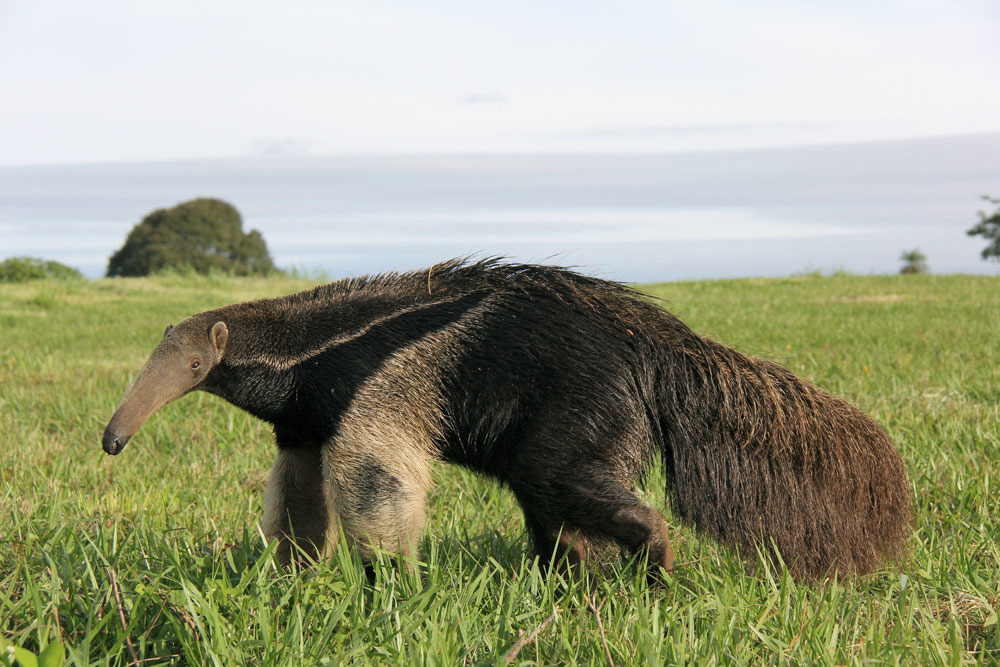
757,456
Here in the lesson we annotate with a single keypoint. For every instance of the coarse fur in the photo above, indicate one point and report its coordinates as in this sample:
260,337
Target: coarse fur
563,387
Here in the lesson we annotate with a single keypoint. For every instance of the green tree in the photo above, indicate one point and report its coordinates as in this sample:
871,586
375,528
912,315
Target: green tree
204,234
20,269
989,229
914,261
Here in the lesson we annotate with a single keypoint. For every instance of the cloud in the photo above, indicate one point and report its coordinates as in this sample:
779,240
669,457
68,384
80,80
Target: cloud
483,99
654,131
281,146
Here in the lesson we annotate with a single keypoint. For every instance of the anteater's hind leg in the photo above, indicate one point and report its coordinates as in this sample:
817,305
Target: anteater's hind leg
294,504
611,511
642,528
566,491
569,546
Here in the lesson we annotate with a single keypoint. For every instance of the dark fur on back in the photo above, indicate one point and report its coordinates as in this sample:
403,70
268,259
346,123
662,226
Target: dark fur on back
566,388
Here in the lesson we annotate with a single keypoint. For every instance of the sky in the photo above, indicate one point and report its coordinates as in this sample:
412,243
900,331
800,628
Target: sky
116,80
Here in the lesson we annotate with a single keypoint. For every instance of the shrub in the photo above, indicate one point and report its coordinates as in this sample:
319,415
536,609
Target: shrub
20,269
914,261
203,234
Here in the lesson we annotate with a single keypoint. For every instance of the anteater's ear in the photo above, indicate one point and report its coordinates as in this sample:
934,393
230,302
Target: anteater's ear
219,336
167,330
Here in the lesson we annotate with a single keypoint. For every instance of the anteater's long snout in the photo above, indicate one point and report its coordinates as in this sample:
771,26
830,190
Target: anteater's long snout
112,442
141,400
157,385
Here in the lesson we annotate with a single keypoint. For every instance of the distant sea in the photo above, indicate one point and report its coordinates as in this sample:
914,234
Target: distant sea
636,217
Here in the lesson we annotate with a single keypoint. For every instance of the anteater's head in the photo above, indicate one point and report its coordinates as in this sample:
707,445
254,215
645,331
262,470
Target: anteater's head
179,364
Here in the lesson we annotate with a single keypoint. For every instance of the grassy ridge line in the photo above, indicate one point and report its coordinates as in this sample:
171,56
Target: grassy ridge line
173,520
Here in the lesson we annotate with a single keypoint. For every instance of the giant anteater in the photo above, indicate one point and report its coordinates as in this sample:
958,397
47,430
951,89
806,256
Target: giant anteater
561,386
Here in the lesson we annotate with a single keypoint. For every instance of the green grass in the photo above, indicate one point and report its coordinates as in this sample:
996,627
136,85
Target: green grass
157,552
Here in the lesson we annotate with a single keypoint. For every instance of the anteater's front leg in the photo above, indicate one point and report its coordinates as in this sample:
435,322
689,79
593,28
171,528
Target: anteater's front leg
379,497
295,509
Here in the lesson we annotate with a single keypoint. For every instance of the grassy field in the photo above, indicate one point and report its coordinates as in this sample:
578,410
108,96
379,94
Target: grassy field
155,556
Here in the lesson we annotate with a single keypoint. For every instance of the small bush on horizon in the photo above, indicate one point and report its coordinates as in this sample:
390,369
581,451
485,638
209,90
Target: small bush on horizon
914,261
22,269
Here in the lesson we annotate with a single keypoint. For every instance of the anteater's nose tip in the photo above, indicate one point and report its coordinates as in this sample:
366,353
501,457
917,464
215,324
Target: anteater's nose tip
112,443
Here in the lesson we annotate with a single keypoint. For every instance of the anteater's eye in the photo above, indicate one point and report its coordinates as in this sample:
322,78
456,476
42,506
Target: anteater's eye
195,365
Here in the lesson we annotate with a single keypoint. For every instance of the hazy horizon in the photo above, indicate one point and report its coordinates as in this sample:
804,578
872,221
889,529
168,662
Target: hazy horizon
635,217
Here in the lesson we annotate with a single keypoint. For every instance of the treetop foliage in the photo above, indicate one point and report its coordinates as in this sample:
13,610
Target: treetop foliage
203,234
989,229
